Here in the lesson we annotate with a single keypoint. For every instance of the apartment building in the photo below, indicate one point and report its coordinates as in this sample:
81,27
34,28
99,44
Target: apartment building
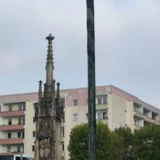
114,107
17,129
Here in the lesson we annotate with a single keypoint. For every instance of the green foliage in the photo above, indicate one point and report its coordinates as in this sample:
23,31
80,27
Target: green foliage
147,142
107,142
115,147
78,144
126,134
120,144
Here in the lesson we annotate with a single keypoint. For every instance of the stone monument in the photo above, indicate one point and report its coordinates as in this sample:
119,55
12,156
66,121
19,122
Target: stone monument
48,114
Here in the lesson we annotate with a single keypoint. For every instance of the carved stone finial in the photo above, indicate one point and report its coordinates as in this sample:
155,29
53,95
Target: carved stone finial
50,37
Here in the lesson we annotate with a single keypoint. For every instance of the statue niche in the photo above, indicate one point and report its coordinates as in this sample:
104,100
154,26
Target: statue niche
46,107
45,138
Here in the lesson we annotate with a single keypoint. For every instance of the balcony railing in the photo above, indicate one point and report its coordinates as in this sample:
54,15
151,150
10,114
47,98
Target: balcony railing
101,106
9,153
62,138
137,127
138,114
62,154
12,113
10,141
148,119
62,124
11,127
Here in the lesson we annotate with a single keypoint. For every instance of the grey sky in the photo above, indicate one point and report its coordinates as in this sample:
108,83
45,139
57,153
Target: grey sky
127,44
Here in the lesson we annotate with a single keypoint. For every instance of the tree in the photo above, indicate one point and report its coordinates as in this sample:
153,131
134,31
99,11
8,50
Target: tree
147,142
108,144
126,134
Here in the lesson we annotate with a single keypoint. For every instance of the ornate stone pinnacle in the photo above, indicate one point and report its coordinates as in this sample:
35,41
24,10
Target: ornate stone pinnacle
40,89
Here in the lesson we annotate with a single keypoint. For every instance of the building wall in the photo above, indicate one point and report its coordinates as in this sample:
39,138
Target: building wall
29,128
118,111
70,123
129,115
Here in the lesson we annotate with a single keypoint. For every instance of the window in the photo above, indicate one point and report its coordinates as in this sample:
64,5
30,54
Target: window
10,107
62,132
104,115
24,107
86,101
104,99
62,147
101,115
9,121
75,102
23,120
9,135
101,100
22,134
18,134
75,117
64,116
136,121
136,109
21,107
19,120
87,115
18,148
34,133
8,148
33,119
33,148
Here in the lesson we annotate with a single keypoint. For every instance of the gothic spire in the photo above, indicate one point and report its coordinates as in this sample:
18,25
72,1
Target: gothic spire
49,63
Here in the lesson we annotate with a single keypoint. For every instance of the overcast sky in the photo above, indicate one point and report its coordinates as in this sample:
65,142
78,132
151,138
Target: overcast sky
127,44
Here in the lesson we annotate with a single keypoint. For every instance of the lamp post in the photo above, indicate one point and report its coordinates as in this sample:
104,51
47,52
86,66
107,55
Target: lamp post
91,80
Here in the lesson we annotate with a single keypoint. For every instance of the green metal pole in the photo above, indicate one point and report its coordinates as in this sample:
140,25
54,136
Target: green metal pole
91,80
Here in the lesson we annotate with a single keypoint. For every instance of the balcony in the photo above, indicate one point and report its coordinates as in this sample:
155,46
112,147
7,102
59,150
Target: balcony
102,120
138,114
62,138
12,113
62,124
11,141
137,127
157,122
101,106
12,127
62,154
148,119
10,154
